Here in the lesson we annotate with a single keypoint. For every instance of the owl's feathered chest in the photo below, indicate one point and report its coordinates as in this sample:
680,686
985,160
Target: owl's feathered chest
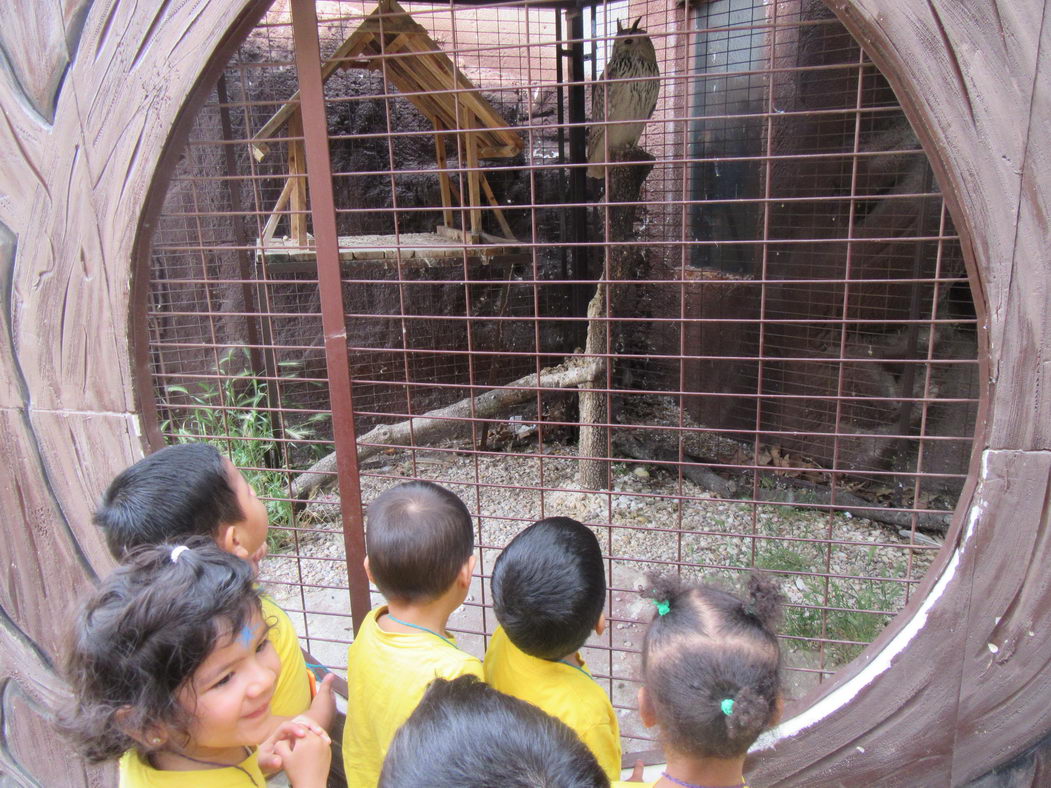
629,100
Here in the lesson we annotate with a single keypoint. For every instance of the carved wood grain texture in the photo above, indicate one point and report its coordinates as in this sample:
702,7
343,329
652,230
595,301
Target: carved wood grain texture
74,182
90,92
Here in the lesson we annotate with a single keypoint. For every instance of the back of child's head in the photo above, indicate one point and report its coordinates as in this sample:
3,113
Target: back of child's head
549,586
418,538
169,496
139,638
712,665
465,734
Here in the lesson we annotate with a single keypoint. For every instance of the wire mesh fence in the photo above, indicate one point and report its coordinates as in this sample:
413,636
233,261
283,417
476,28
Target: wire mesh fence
761,352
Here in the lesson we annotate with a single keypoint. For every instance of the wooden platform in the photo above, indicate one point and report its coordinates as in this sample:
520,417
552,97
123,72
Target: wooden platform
429,249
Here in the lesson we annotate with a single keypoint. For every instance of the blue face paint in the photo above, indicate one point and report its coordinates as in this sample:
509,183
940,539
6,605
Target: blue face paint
246,636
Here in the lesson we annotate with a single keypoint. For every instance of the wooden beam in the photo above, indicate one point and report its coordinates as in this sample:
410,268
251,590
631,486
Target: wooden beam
275,215
350,48
443,176
473,177
497,209
297,170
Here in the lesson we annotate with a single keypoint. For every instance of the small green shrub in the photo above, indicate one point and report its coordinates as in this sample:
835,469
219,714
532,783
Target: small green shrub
237,407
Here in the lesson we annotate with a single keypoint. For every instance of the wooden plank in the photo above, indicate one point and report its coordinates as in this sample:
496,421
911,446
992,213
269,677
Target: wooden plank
443,177
275,215
351,48
298,203
496,207
474,198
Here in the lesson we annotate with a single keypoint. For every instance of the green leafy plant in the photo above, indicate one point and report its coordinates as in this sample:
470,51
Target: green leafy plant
233,416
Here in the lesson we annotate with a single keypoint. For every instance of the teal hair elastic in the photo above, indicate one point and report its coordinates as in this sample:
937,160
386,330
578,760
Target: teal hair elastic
663,606
727,706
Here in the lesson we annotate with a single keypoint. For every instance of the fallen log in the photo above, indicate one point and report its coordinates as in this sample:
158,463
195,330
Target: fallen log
447,422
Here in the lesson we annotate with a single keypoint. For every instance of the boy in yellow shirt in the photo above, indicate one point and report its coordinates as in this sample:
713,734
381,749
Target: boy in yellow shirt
190,489
420,554
549,586
467,735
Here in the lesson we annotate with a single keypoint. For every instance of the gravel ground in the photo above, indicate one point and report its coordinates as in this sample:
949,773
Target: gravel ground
644,523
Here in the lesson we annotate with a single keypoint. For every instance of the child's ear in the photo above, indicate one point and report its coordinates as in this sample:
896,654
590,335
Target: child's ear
600,625
464,578
649,719
152,737
229,540
368,572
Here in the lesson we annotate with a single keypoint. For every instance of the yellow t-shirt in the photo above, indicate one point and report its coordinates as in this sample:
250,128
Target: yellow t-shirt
292,693
136,772
387,673
626,784
562,690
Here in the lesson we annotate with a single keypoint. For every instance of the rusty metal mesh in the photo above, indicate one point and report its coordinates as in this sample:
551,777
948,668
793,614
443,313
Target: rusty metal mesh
789,373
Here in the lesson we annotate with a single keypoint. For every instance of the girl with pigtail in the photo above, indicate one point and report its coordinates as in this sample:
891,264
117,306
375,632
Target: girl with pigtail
173,674
711,675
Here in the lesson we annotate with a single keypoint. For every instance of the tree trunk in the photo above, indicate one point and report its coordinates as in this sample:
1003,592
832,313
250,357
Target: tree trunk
624,185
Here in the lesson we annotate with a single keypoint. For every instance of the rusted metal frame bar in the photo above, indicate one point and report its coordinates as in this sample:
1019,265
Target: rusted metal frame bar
518,354
578,218
801,157
845,311
233,188
315,130
764,275
684,223
202,260
929,280
558,41
404,333
924,409
909,375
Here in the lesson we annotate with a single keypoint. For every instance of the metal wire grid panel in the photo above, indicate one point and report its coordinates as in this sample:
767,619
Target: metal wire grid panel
787,344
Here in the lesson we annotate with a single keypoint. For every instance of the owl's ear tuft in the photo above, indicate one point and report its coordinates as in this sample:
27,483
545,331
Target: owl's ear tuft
620,28
635,27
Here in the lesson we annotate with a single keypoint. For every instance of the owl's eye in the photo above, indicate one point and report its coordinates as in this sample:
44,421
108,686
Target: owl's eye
627,40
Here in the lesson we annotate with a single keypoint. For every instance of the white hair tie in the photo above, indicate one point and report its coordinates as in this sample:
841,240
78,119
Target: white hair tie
177,551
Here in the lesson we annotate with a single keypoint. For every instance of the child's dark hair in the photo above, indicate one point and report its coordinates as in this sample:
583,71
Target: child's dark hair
712,665
465,734
139,638
418,537
169,496
549,586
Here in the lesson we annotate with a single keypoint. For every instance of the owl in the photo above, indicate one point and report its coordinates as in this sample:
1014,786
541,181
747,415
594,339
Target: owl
633,58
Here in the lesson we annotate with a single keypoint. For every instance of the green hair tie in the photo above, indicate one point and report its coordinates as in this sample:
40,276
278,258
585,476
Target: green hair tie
663,606
727,706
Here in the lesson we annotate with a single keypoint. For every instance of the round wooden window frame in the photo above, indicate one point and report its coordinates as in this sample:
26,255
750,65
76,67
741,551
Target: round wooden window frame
928,697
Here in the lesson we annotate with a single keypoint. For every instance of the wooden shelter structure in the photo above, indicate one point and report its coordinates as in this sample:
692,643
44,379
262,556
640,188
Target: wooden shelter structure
462,120
96,99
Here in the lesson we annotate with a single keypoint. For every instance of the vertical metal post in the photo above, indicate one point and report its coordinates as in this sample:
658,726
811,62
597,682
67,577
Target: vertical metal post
578,155
333,320
262,359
